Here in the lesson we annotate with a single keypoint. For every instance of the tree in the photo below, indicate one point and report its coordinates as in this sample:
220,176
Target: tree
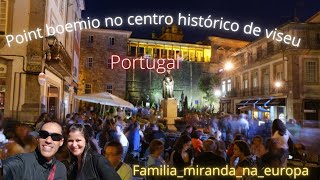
207,83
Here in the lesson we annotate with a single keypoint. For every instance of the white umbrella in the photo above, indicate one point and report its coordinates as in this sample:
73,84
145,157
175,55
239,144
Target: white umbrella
105,98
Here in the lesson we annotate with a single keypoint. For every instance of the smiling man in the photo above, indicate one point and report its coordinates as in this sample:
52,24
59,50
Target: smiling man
40,164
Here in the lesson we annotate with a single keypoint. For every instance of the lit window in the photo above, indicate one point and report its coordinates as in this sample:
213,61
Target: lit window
3,17
229,85
223,88
89,62
255,79
88,89
109,88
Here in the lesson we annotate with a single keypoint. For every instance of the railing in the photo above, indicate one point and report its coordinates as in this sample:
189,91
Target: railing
257,91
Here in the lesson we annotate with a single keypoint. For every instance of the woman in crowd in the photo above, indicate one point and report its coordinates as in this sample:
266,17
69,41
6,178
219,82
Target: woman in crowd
241,150
182,155
280,134
109,133
231,146
85,163
257,147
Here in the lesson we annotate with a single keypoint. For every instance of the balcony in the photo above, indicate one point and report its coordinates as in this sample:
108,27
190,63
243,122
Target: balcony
58,59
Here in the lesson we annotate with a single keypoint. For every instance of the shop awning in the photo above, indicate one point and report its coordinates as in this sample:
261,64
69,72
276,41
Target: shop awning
252,102
277,102
242,103
262,102
251,108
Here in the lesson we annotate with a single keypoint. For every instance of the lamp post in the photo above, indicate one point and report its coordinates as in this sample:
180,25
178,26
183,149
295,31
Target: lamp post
51,41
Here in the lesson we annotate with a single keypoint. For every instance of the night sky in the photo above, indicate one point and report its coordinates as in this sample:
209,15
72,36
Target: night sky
265,14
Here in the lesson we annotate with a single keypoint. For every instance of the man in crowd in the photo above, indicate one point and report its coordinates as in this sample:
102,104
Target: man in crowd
40,164
113,152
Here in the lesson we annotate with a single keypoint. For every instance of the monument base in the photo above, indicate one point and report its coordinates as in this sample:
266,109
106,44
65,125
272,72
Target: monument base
169,107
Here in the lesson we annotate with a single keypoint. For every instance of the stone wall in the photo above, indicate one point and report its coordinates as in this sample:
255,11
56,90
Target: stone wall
99,75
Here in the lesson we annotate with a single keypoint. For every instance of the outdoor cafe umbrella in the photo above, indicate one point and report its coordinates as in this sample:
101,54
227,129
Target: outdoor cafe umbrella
104,98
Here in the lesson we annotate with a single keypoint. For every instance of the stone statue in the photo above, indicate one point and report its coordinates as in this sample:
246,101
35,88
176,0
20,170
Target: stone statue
168,83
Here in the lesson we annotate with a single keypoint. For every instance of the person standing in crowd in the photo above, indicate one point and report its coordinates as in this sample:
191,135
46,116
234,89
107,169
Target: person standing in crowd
242,151
221,149
109,133
280,134
182,155
123,140
85,163
257,147
231,146
208,158
40,164
156,149
113,152
196,142
187,131
134,140
243,125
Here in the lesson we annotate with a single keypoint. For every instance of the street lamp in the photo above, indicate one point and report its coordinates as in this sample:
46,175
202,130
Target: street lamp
278,84
228,66
217,93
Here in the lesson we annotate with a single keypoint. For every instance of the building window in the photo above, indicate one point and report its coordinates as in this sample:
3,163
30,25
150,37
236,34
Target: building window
111,41
109,88
255,79
223,88
245,84
88,89
3,17
229,85
109,64
90,39
89,63
311,72
245,81
279,74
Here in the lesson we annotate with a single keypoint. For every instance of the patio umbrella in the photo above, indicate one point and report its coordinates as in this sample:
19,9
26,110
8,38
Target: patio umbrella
104,98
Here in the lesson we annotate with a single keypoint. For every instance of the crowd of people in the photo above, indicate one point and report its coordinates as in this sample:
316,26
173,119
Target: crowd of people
86,146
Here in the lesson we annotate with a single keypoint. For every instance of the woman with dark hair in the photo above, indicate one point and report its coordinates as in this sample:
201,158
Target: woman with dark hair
241,150
182,155
109,133
280,134
86,163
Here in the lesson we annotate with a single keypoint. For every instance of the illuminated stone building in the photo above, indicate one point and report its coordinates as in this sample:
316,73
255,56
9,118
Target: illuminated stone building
142,85
276,80
95,73
21,96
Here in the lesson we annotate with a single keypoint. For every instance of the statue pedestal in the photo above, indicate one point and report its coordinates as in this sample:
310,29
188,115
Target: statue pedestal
169,107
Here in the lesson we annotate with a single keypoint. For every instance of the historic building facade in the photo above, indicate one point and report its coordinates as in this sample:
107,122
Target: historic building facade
96,72
276,80
22,98
142,85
